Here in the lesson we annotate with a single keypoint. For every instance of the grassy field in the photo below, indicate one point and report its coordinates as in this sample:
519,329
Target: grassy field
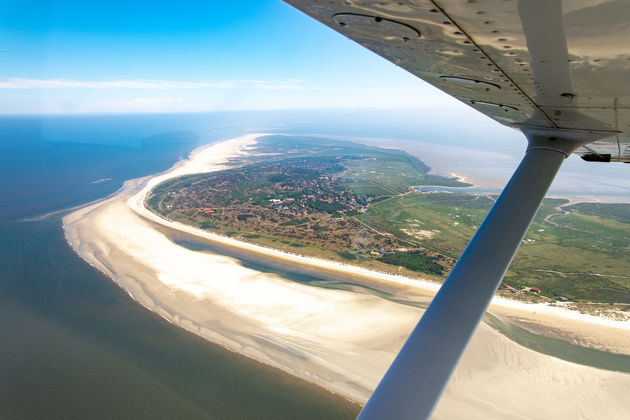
580,251
390,175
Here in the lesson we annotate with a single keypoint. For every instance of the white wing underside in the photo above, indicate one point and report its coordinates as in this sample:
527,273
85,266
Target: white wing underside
529,63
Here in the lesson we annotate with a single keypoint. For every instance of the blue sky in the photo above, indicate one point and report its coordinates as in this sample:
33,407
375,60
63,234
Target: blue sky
125,56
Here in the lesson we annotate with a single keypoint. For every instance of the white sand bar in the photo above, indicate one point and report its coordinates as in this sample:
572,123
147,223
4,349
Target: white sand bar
341,340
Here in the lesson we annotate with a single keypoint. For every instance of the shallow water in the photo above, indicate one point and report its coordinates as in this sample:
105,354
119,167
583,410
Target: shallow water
562,349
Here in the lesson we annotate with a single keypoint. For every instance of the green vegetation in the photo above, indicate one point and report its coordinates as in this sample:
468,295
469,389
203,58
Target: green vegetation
347,255
580,256
443,223
390,175
620,213
414,261
295,222
207,225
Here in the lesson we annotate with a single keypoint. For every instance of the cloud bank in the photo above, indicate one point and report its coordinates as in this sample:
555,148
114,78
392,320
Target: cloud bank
22,83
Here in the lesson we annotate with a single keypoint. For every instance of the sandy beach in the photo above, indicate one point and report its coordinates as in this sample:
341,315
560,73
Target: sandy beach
341,340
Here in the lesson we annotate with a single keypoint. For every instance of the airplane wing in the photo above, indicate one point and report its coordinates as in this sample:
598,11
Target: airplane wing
534,63
556,70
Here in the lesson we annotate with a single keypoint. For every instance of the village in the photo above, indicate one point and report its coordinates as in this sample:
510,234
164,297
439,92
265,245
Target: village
322,194
300,203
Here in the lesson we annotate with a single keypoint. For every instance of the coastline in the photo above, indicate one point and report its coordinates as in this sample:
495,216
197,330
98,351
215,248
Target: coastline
309,332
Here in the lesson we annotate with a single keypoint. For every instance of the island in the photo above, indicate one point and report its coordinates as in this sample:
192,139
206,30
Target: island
366,205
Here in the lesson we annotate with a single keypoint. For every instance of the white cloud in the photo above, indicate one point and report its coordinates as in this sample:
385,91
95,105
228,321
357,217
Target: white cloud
21,83
156,104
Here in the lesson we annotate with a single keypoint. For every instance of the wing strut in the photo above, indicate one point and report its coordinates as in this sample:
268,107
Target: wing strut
416,379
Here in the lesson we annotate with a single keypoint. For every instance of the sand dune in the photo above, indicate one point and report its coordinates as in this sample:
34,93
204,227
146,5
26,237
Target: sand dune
341,340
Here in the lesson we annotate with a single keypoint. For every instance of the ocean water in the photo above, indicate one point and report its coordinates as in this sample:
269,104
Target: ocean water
72,344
